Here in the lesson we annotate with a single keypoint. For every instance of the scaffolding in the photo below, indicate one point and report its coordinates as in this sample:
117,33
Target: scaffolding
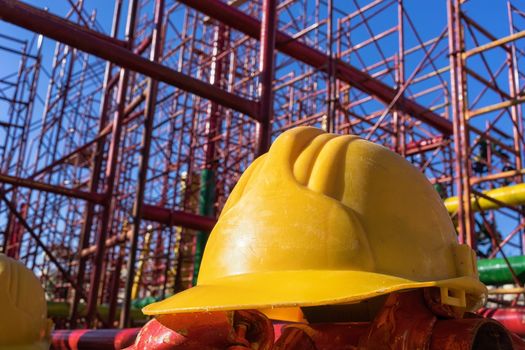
109,194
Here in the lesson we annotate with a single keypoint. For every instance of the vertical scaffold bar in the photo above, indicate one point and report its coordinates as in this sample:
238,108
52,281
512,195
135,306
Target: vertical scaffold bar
151,100
266,69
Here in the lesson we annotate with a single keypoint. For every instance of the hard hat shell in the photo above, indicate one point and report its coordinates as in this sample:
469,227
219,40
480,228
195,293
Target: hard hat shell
23,323
325,219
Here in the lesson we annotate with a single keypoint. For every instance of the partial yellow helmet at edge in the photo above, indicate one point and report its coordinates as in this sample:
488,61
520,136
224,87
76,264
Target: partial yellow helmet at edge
323,219
23,323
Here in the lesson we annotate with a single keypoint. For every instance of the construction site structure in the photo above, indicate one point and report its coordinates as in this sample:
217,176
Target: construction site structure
109,193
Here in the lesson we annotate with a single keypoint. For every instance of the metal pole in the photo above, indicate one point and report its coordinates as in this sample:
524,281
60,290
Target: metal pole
266,69
96,170
462,170
464,138
149,114
330,82
452,28
514,93
515,110
207,183
111,173
398,118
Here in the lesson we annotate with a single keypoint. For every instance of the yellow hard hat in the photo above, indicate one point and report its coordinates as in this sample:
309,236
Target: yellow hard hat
23,323
323,219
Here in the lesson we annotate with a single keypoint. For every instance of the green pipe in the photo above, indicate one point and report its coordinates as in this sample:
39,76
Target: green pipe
510,195
496,271
206,199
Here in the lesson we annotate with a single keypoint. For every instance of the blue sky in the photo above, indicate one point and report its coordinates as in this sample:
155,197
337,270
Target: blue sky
428,16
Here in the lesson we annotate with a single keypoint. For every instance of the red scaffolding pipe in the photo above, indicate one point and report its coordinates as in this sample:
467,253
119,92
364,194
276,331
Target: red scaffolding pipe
16,181
266,69
177,218
315,58
151,99
103,46
512,318
100,339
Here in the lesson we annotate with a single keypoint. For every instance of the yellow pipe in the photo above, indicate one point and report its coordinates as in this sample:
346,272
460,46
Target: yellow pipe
516,290
495,43
510,195
140,267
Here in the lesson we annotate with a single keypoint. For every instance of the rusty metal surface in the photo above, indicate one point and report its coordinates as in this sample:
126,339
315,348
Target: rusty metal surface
513,318
407,321
100,339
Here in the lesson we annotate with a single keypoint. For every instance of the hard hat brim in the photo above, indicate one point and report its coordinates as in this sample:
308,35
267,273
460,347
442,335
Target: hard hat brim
300,288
